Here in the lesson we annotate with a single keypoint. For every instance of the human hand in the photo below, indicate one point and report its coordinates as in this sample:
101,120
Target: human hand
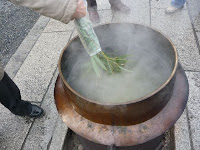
80,10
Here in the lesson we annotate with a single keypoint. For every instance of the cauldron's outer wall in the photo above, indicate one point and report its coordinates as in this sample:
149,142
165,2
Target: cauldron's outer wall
122,115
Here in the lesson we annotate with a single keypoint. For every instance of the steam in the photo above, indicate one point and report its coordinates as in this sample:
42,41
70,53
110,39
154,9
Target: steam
150,60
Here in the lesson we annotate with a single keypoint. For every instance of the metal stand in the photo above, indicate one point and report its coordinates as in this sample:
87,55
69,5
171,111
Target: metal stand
143,136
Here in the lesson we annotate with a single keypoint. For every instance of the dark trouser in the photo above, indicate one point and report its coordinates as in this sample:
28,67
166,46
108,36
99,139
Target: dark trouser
93,3
10,97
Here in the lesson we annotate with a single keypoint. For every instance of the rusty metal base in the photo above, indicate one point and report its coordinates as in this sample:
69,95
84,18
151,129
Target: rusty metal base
126,137
154,144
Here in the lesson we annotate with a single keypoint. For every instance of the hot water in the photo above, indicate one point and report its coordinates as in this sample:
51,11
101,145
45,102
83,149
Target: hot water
148,73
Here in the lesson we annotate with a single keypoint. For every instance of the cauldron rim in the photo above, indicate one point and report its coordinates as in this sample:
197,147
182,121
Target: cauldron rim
127,102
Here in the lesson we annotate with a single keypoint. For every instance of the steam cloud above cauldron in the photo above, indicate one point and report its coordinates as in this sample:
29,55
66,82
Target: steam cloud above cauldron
150,60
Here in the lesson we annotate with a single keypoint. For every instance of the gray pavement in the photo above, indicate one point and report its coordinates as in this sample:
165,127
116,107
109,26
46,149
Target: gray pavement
34,69
15,24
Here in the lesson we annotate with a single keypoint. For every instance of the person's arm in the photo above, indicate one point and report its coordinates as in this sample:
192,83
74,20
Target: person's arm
62,10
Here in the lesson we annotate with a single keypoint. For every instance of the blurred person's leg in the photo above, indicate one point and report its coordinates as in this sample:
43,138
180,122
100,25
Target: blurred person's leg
10,97
175,5
92,9
117,5
92,3
178,3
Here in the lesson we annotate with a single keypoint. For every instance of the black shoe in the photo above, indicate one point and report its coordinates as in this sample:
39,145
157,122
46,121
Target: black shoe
36,111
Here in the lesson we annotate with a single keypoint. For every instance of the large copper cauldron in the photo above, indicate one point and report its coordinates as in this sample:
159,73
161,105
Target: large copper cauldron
131,112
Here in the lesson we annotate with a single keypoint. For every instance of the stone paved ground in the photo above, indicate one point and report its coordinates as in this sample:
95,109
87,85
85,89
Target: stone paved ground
15,24
34,69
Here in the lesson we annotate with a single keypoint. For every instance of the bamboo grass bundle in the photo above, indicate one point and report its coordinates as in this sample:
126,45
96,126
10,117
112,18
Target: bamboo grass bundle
99,59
